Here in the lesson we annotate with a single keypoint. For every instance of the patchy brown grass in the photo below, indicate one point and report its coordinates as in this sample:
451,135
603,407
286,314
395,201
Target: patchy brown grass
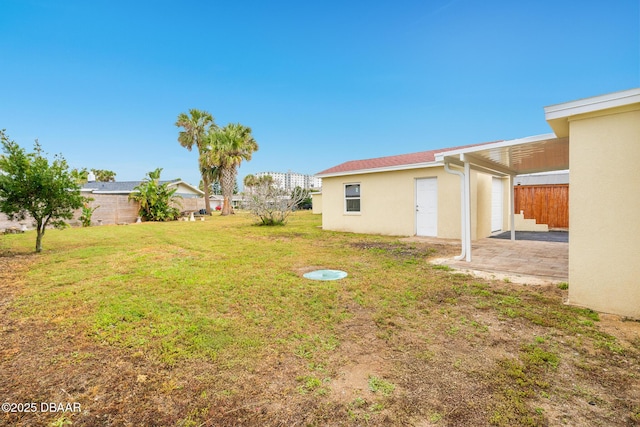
396,343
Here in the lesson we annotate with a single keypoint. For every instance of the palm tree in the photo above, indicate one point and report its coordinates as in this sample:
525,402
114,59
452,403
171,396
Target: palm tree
104,175
249,182
196,126
227,148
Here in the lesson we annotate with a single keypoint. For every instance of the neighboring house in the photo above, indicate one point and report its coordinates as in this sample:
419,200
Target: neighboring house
599,137
114,206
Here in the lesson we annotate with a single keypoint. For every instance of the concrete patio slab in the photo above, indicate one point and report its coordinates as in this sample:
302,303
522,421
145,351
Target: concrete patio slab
520,261
526,259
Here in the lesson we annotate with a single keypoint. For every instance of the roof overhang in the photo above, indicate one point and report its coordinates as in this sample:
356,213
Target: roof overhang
558,115
384,169
541,153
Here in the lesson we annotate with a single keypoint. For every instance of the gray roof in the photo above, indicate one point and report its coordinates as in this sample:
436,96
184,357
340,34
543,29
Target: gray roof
121,187
118,187
542,179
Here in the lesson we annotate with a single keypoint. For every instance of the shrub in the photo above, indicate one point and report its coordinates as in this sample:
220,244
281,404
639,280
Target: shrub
271,205
155,199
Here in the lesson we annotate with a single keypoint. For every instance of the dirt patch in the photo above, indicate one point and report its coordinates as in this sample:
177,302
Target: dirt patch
626,330
359,357
409,250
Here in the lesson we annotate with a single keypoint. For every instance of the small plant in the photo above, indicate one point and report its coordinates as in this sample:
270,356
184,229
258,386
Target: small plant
509,312
435,417
509,301
376,407
61,422
311,384
87,213
358,402
563,286
536,356
611,344
381,386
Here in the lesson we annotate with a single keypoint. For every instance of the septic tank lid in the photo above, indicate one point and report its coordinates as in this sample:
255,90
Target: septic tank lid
325,275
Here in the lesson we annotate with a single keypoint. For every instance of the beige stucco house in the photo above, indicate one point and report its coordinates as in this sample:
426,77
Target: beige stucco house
455,193
604,247
410,194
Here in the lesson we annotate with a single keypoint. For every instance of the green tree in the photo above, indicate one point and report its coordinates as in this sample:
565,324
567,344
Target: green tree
226,150
104,175
30,185
249,181
100,175
80,175
196,126
156,200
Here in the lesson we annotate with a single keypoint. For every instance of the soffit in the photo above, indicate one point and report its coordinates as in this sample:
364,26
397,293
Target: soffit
521,156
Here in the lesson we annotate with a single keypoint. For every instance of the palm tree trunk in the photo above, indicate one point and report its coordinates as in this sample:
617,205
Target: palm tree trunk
228,178
207,195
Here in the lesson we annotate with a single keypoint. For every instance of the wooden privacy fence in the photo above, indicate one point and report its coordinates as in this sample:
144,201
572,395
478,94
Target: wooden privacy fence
547,204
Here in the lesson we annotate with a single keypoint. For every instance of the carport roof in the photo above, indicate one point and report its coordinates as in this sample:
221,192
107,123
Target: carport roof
540,153
533,154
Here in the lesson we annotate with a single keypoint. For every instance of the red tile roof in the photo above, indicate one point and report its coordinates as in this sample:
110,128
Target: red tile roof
390,161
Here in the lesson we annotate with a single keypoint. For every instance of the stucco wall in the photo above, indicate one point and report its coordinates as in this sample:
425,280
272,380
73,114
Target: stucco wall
112,209
316,203
484,189
388,204
5,223
604,270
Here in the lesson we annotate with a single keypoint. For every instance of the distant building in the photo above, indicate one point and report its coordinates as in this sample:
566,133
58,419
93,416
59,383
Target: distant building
290,180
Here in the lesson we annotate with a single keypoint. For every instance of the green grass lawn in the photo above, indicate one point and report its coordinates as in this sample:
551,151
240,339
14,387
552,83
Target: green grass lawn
212,323
188,290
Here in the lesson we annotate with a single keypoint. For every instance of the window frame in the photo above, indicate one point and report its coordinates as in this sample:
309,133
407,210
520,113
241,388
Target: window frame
348,198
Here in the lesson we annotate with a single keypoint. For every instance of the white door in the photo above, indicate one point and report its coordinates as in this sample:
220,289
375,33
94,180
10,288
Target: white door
497,195
427,207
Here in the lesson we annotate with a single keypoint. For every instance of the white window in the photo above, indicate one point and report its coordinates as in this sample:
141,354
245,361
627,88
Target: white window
352,197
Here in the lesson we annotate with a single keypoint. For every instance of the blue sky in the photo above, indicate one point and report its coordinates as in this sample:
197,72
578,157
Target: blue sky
320,83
